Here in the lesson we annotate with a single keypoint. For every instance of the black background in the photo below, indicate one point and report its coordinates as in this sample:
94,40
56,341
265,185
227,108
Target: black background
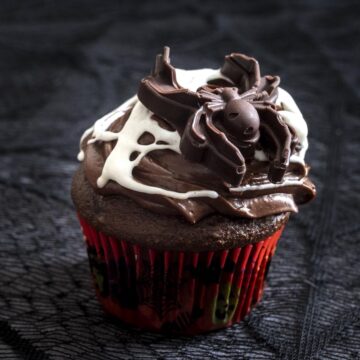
63,64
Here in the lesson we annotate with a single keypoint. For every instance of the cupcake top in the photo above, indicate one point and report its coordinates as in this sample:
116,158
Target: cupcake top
205,141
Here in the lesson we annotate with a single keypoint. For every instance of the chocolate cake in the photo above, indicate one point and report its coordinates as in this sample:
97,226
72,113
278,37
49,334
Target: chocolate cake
188,186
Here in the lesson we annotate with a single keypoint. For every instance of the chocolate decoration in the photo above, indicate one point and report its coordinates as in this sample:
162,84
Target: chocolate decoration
221,126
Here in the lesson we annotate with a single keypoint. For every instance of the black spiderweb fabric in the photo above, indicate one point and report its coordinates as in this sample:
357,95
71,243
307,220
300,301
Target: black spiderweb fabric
63,64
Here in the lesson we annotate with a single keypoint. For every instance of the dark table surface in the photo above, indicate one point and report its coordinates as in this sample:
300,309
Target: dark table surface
63,64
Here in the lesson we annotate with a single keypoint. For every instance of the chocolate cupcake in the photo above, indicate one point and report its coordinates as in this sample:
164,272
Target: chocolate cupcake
183,192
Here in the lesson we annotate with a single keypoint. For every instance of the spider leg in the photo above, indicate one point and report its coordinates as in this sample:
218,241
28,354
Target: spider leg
276,136
196,125
248,95
215,106
222,142
206,95
193,141
203,142
268,88
223,156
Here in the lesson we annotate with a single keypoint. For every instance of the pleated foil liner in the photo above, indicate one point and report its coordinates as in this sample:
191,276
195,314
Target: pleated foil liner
174,291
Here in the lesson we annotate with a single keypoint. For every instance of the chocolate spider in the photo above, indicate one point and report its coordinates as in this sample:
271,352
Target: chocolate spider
225,121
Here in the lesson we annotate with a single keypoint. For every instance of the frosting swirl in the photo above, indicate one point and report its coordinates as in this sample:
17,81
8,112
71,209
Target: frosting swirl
203,141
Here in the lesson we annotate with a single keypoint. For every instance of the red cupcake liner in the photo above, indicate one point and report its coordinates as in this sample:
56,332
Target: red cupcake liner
174,291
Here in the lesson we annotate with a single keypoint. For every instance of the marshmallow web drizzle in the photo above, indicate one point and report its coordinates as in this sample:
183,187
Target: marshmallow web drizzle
119,167
120,163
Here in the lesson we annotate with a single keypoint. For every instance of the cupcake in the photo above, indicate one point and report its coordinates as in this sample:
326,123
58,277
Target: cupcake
184,190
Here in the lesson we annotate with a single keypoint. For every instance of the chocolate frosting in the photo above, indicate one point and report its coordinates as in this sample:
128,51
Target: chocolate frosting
221,126
122,218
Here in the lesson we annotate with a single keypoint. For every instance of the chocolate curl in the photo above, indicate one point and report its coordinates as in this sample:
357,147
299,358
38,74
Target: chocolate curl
278,138
162,95
160,66
243,70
